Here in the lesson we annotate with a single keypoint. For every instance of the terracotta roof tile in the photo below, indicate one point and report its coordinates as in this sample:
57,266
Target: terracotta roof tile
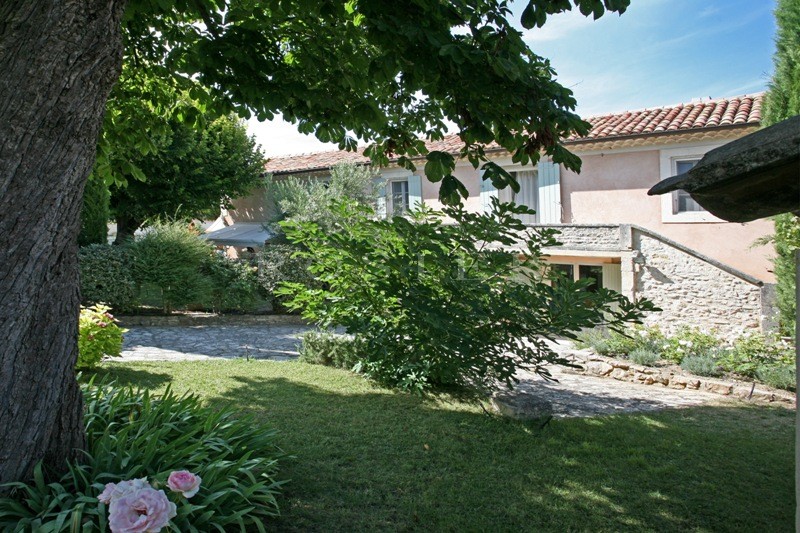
684,117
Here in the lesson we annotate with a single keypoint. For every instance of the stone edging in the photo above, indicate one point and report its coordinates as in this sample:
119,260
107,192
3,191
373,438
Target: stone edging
209,319
601,366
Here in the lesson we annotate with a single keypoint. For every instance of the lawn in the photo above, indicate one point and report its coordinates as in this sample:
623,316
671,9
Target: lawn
368,459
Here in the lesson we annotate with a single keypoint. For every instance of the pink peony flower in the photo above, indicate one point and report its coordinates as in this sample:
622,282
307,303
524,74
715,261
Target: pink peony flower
113,491
184,482
142,510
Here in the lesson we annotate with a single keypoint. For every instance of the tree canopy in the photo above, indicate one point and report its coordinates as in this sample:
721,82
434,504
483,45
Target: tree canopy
189,174
388,73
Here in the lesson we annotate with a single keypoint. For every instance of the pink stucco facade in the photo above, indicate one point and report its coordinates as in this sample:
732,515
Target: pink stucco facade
612,189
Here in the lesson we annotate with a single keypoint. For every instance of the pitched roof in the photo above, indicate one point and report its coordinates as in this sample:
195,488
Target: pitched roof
738,111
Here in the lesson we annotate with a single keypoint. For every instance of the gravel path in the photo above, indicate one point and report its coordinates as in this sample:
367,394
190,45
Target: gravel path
573,395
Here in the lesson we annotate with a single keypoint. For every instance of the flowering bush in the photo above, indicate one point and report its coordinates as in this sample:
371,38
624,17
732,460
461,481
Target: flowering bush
172,441
98,336
184,482
136,506
688,341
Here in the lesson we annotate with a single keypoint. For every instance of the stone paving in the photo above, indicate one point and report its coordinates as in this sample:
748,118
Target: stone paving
573,395
193,343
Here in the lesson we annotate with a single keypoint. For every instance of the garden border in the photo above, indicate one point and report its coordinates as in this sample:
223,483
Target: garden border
607,367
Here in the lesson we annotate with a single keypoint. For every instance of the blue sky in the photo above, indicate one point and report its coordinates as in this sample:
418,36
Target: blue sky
659,52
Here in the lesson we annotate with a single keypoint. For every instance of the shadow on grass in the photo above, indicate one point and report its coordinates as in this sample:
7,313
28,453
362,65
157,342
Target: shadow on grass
376,460
121,375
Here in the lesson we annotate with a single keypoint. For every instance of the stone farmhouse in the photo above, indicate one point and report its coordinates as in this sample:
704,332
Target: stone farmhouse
700,270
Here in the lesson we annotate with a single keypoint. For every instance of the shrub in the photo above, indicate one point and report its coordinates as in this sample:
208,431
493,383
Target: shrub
234,284
106,276
643,356
780,376
435,305
609,342
331,349
169,256
310,199
98,336
688,341
752,351
701,365
133,434
279,263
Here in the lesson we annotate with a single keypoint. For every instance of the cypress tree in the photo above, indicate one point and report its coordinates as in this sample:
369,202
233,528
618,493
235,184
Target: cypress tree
94,213
782,101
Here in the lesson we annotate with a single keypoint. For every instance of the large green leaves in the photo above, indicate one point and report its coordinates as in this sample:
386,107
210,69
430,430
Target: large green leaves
369,71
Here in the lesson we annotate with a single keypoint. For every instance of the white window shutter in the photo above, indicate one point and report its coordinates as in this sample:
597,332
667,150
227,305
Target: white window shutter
414,192
549,192
380,200
612,277
488,191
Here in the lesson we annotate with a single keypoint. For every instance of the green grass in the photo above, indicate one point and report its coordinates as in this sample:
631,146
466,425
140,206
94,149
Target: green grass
368,459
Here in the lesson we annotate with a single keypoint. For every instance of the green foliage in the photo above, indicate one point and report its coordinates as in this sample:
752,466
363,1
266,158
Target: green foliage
234,284
435,305
95,213
331,349
281,263
701,365
753,351
191,173
106,277
643,356
689,341
133,434
787,241
98,336
169,257
606,341
310,199
354,71
780,376
782,101
783,97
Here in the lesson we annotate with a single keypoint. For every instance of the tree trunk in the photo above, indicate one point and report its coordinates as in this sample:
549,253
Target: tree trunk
58,62
126,227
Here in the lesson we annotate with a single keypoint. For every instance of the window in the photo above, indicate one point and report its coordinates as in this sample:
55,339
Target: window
679,207
681,201
568,271
398,199
592,272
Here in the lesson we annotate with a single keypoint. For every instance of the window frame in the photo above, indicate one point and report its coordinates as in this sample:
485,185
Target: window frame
668,160
390,210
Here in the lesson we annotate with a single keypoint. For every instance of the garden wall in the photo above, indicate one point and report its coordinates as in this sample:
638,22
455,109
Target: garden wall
693,289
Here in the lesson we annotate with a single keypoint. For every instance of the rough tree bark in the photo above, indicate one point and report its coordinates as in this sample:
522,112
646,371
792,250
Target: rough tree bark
58,62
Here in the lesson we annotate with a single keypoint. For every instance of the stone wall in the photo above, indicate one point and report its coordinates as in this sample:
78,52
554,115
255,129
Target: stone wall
672,377
693,290
587,236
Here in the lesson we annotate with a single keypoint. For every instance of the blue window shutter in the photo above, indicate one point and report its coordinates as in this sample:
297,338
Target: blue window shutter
488,191
549,192
380,197
414,192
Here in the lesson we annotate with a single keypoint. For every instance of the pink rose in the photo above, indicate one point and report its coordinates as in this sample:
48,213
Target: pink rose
143,510
184,482
113,491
